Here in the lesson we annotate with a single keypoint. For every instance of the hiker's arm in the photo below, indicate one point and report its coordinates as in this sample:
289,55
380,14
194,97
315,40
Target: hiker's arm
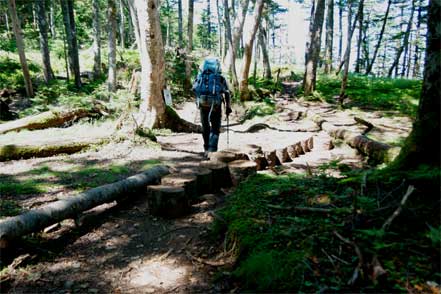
227,97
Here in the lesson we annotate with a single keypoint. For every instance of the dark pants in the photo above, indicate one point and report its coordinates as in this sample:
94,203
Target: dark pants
210,133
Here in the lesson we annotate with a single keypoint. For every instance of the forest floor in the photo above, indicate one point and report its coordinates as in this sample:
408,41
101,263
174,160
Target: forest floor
125,250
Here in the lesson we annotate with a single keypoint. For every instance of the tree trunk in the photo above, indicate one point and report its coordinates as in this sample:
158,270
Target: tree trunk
416,62
248,51
405,42
122,22
72,45
231,54
219,27
20,47
96,39
111,18
52,20
265,57
422,147
180,38
329,36
313,50
152,64
190,25
237,31
44,48
40,218
340,29
135,22
358,62
406,60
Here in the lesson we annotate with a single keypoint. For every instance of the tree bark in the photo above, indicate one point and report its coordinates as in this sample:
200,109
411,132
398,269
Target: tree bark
329,36
190,25
152,64
180,38
111,17
265,57
248,51
20,47
122,22
208,25
313,50
135,22
96,39
416,62
219,27
358,62
44,48
71,36
405,41
422,146
52,20
230,63
340,29
37,219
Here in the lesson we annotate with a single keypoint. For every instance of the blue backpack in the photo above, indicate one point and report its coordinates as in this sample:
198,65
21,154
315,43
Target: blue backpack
208,85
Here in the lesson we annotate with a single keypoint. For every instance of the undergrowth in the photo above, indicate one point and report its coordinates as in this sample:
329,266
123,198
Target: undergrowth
282,248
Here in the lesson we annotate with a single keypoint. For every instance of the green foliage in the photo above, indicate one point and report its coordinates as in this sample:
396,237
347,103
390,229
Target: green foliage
378,93
434,235
267,107
11,75
9,208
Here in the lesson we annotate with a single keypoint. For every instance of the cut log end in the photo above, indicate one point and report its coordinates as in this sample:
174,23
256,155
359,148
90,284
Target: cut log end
167,201
220,174
240,170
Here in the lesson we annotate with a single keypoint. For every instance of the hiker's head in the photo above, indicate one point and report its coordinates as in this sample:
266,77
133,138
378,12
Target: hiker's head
211,64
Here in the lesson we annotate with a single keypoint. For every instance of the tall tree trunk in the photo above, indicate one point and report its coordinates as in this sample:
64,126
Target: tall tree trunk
365,42
409,58
96,39
329,36
313,50
219,27
265,57
231,55
248,51
358,62
71,38
152,64
340,29
236,35
20,47
135,23
8,30
180,38
208,25
377,47
423,144
122,22
405,41
44,48
111,18
190,25
52,20
416,63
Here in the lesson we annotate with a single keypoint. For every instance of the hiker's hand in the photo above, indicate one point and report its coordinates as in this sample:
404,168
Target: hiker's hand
228,110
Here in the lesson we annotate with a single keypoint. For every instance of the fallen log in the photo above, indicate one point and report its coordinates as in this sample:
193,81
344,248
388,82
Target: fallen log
24,151
48,119
37,219
377,151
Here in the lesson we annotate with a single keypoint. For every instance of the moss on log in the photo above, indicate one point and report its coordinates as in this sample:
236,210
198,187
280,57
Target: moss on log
13,152
37,219
48,119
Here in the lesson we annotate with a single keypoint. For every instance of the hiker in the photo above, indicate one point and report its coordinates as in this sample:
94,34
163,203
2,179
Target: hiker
209,87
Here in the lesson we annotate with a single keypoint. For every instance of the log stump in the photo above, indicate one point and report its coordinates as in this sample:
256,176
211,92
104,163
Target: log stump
282,155
240,170
291,151
305,145
260,161
167,201
220,174
204,178
298,148
271,158
310,143
227,155
187,181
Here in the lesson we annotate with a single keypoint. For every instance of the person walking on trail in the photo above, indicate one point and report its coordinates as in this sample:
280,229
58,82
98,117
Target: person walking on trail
211,91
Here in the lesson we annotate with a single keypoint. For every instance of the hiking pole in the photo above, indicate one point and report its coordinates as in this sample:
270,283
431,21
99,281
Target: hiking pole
228,131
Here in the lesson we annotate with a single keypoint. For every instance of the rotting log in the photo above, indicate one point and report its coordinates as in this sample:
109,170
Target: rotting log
240,170
377,151
220,174
167,201
48,119
13,152
186,181
37,219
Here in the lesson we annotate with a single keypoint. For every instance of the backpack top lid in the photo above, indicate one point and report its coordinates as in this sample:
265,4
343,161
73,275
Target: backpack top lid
211,64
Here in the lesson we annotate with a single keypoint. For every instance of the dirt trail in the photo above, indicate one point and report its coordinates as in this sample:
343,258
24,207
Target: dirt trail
125,250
